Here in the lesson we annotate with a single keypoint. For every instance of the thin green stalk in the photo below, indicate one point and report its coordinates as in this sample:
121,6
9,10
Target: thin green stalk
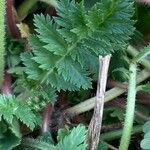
53,3
2,39
129,118
112,135
24,8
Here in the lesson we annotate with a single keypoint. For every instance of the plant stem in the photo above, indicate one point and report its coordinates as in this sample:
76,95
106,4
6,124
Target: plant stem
6,88
46,118
11,20
109,95
133,52
2,39
51,2
24,8
129,118
112,135
96,121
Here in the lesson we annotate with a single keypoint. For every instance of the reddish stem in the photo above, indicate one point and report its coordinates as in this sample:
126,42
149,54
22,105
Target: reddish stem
51,11
11,22
6,88
46,117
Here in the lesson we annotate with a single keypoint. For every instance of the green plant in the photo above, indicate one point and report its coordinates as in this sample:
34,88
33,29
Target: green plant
2,39
145,143
12,110
11,107
63,57
60,56
129,118
75,139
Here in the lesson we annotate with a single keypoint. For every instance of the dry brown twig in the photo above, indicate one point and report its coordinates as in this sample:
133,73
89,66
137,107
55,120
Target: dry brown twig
96,121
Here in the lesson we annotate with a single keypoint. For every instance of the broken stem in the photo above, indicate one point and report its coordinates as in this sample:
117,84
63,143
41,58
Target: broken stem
96,121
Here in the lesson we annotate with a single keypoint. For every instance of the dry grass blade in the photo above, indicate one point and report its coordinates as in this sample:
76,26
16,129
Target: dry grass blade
96,121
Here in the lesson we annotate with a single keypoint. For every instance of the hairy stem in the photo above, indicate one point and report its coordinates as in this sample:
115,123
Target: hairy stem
112,135
109,95
129,118
2,39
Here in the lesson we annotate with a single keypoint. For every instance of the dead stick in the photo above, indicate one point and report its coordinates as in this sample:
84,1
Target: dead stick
96,121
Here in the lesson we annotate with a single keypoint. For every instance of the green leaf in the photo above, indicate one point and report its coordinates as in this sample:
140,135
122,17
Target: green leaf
62,133
89,3
145,87
123,71
16,70
36,97
142,54
9,141
119,113
10,107
145,143
146,127
46,137
36,144
25,115
53,40
73,72
14,127
117,61
75,140
66,47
